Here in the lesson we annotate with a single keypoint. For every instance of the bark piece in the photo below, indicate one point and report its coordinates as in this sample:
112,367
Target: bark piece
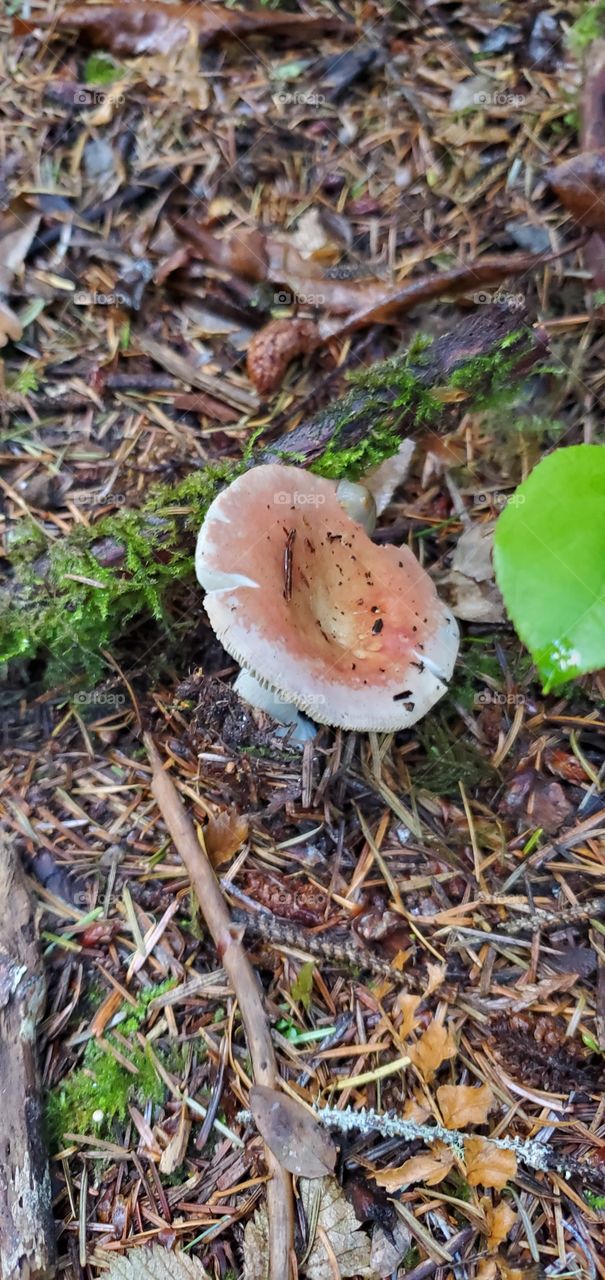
27,1236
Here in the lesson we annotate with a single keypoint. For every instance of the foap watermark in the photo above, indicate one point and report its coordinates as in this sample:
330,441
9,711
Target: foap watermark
87,298
285,98
502,98
284,499
97,698
97,98
97,498
499,501
286,298
501,298
492,697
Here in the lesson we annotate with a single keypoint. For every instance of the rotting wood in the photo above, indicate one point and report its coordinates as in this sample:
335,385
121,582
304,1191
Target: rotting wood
27,1237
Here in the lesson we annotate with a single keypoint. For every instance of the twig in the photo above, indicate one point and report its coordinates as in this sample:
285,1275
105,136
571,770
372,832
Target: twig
283,933
533,1154
27,1232
280,1206
551,921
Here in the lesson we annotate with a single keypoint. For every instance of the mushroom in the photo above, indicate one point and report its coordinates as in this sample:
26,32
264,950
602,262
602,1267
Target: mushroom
351,633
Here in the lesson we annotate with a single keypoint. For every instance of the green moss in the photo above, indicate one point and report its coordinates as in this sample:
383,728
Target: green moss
82,604
460,1187
590,26
100,68
595,1201
102,1084
450,760
385,410
488,379
352,461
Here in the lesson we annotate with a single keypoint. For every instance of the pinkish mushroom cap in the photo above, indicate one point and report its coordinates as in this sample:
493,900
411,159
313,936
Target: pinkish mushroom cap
351,633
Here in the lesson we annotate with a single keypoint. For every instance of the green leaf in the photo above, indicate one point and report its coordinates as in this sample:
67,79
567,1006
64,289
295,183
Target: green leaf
304,984
99,68
549,557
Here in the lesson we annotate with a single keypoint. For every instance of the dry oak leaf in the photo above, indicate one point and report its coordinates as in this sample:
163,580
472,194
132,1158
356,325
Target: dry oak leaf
488,1165
462,1104
429,1167
324,1203
500,1219
223,834
294,1136
433,1047
155,1263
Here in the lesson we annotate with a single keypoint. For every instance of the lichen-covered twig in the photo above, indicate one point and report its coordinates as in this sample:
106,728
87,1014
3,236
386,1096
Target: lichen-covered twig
551,921
27,1234
280,1205
282,933
533,1154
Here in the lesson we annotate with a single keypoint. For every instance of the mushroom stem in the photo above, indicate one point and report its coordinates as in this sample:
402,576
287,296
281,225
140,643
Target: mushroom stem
358,503
267,699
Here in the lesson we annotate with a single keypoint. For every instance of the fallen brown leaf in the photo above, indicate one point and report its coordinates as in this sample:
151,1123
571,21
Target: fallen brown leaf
462,1104
256,1246
488,1165
429,1167
174,1154
434,1046
224,833
18,226
500,1219
294,1136
474,594
362,301
325,1205
408,1005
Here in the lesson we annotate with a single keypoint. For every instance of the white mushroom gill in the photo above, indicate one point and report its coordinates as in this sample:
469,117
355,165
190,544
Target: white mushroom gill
351,633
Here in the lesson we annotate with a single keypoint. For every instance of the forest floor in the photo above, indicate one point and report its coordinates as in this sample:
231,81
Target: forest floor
433,895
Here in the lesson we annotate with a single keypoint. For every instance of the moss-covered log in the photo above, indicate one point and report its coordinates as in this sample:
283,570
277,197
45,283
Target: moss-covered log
484,356
70,597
